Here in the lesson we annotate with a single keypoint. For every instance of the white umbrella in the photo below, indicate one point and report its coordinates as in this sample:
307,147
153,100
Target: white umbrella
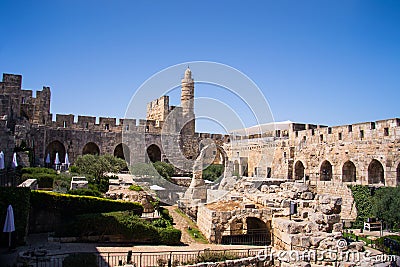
157,188
57,160
14,161
2,160
66,162
9,225
48,158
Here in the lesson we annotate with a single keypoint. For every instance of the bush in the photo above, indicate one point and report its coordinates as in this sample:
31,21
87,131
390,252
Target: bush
85,192
19,198
126,223
97,166
161,223
80,260
170,236
363,199
164,213
213,172
33,170
135,187
74,205
73,169
212,256
385,205
45,180
44,176
380,244
166,170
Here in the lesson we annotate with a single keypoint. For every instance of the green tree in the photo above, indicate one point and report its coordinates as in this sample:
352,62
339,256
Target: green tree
97,166
385,205
213,172
166,170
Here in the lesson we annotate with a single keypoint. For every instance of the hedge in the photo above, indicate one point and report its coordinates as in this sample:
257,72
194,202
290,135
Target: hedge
35,170
19,198
126,223
72,205
169,236
45,180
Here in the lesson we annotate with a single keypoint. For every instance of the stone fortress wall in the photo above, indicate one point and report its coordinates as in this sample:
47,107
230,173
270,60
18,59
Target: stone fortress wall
363,153
26,121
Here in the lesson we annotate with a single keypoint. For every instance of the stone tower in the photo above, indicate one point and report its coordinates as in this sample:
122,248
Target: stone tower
187,103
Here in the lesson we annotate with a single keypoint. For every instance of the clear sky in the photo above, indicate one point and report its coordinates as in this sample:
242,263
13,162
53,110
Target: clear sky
329,62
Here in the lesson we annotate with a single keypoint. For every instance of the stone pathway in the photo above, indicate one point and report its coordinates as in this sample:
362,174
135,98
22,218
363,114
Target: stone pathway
181,224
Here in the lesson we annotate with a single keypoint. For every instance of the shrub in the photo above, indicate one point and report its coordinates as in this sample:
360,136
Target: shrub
385,205
363,199
164,213
45,180
85,192
74,205
19,198
213,172
161,223
126,223
135,187
170,236
380,244
73,169
97,166
213,256
33,170
166,170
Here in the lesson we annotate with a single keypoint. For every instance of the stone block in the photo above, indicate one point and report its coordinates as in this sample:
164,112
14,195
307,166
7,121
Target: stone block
315,240
331,219
285,203
307,196
337,227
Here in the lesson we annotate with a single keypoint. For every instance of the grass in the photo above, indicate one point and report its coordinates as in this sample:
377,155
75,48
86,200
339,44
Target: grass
360,238
192,230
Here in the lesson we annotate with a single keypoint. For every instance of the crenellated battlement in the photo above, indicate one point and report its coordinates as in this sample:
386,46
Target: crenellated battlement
382,129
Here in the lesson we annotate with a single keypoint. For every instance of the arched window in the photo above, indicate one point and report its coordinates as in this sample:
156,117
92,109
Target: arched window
376,173
298,170
325,171
348,172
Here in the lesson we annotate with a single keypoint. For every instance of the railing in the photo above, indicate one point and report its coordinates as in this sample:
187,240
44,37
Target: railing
258,237
141,259
9,178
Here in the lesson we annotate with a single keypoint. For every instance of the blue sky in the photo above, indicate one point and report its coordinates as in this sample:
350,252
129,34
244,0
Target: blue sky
328,62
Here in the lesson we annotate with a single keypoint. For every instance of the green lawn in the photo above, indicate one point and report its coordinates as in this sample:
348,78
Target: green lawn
193,230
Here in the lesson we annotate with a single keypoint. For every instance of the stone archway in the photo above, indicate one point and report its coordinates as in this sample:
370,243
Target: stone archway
376,173
247,231
91,148
254,224
154,153
298,170
53,148
325,172
122,151
348,172
398,174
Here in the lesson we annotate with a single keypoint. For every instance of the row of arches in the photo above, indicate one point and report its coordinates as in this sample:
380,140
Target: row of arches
120,151
376,173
